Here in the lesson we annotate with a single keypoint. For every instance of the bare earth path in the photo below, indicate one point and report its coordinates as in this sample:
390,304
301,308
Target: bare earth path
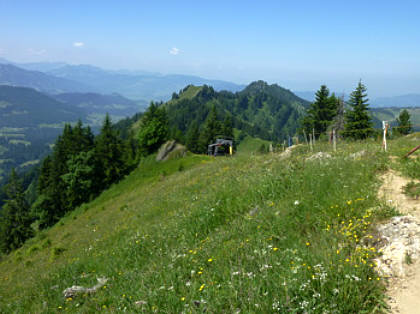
405,291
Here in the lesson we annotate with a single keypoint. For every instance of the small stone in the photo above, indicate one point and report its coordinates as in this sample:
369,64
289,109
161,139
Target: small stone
140,303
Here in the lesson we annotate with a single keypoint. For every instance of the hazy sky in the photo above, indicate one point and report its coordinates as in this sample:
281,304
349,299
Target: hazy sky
298,44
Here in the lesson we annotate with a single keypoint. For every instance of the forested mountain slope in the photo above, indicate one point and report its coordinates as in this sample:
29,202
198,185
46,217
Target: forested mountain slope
261,110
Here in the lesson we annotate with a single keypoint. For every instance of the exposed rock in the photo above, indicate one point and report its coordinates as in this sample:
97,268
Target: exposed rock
358,155
288,152
75,290
140,303
318,156
401,245
253,211
170,150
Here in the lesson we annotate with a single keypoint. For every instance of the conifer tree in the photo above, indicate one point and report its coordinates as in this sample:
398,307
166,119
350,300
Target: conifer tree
321,112
192,137
154,129
358,123
227,128
79,179
16,222
404,122
210,130
108,155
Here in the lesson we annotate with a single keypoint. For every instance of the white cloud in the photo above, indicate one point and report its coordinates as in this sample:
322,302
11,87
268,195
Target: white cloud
1,51
36,52
78,44
174,51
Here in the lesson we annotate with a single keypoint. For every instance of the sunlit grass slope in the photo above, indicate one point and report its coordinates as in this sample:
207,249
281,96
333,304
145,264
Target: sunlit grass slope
257,233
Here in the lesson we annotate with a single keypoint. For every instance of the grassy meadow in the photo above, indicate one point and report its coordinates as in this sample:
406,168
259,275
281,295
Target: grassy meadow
252,233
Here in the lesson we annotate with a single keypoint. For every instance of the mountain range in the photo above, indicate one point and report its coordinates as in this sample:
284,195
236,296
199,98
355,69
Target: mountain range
59,77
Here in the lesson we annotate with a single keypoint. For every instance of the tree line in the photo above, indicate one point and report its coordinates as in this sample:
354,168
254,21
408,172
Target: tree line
351,120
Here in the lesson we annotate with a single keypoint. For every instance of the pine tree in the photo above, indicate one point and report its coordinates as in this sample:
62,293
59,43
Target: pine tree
192,137
154,129
108,154
321,112
210,130
404,122
16,222
227,128
358,123
79,178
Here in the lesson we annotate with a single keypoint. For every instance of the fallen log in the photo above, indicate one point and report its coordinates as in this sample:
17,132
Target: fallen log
412,151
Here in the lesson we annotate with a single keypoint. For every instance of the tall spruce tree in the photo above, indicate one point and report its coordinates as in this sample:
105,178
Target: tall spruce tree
108,154
404,122
358,123
322,111
15,226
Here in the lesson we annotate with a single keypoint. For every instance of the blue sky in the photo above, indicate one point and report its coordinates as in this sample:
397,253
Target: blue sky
298,44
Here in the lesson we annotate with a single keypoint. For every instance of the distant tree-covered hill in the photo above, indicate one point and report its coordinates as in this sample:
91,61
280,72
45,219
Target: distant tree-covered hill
93,103
261,110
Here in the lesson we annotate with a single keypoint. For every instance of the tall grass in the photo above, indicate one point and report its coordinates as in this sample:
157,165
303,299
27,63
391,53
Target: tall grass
257,234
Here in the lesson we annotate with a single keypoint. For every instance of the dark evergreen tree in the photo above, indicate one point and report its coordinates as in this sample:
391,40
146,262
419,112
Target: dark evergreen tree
15,226
404,122
227,128
192,137
358,123
211,129
321,112
154,129
108,154
79,178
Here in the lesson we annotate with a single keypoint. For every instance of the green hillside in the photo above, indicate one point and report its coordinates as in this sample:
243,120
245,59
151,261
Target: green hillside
269,112
391,114
255,233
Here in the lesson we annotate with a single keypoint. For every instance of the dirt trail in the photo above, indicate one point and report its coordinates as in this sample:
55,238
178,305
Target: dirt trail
404,290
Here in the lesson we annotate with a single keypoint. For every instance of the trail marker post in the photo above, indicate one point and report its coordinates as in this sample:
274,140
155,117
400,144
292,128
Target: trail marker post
385,126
